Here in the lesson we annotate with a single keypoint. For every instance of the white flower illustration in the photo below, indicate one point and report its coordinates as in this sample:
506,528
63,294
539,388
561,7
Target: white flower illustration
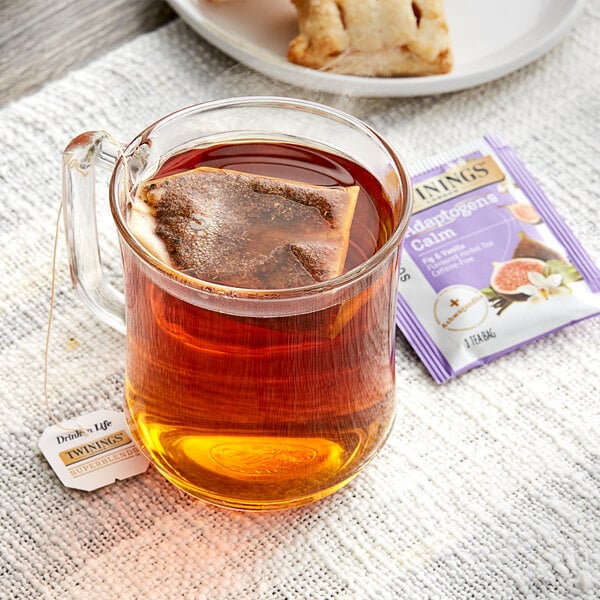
542,287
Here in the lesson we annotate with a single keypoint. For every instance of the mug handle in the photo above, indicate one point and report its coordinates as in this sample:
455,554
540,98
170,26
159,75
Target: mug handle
80,158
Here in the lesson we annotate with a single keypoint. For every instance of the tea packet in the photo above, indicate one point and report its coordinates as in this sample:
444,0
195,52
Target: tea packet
488,264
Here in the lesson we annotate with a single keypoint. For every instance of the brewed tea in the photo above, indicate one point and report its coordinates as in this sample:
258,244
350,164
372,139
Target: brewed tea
260,410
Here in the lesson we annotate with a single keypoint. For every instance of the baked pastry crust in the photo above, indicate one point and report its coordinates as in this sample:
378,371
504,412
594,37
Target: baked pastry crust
372,37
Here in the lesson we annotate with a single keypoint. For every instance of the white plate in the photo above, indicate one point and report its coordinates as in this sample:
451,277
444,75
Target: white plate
490,39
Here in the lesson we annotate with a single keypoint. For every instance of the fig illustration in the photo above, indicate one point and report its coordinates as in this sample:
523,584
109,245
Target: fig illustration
525,213
530,248
507,277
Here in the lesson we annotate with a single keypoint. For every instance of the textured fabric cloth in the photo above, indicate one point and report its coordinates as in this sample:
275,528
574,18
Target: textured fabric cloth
489,486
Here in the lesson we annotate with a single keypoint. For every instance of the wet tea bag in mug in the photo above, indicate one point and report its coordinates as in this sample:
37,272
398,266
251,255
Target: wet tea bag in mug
488,265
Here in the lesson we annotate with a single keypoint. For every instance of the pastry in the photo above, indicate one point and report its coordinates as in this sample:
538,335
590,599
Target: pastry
372,37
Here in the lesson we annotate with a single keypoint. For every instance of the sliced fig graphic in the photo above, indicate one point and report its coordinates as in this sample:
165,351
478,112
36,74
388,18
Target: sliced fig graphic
507,277
530,248
525,213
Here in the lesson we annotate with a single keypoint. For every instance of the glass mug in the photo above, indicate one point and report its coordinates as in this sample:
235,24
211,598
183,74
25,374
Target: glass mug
252,399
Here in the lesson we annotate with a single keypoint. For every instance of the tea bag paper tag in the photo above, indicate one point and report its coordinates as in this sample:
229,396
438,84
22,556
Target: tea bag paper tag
92,451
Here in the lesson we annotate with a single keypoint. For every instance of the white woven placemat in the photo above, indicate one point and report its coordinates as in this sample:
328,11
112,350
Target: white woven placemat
489,486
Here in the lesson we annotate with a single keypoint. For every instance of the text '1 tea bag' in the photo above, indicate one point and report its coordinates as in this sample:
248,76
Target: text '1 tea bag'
244,230
488,265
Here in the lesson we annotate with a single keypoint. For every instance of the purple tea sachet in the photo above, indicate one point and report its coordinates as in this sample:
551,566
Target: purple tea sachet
488,265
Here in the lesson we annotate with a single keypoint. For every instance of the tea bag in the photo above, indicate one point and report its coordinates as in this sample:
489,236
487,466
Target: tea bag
245,230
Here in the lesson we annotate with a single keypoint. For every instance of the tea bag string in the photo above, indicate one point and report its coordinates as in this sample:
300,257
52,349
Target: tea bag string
78,429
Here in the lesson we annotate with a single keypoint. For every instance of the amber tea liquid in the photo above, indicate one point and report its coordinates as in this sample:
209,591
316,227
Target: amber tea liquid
262,412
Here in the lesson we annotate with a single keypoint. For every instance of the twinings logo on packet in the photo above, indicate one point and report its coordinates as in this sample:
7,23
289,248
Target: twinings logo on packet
461,178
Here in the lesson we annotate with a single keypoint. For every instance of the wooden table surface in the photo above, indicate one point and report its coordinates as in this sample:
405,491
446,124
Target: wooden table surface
42,39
